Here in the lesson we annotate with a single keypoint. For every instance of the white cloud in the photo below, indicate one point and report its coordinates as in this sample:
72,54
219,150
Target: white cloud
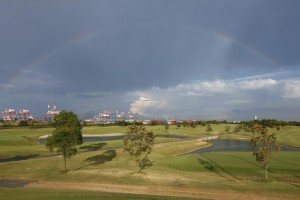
144,103
200,88
256,84
209,88
292,89
195,94
216,86
214,98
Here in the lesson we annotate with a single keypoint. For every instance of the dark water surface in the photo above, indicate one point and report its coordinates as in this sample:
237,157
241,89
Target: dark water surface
102,138
120,137
225,145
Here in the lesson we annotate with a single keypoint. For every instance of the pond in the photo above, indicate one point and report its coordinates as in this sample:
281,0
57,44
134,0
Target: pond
225,145
119,137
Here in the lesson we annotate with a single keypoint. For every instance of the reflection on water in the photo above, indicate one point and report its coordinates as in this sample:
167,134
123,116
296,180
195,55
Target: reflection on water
222,145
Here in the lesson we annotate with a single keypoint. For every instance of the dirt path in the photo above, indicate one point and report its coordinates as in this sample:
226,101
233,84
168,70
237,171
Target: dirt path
161,191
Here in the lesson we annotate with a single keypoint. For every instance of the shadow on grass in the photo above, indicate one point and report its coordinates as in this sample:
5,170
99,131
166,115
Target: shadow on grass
93,147
17,158
208,165
14,183
104,157
211,166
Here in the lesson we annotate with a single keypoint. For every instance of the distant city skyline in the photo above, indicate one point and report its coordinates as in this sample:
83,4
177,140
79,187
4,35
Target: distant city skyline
222,60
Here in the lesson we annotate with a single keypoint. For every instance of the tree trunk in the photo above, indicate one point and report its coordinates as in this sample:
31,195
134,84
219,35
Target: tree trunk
65,163
138,169
266,173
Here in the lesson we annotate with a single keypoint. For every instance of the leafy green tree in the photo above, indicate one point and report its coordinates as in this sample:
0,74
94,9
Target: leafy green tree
167,126
66,135
227,128
23,123
208,127
264,144
238,128
138,142
193,125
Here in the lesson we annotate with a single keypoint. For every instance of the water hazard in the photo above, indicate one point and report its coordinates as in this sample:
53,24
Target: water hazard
120,137
225,145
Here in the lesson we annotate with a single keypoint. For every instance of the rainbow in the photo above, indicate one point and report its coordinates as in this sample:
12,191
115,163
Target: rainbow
51,53
225,40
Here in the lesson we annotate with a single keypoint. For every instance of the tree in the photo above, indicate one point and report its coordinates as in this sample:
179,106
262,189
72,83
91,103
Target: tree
167,126
66,135
138,143
264,144
23,123
208,127
227,128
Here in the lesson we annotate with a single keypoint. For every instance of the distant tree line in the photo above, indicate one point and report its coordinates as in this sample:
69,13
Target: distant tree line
265,123
271,123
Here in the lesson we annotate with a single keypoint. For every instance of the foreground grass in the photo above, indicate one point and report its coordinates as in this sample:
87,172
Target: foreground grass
226,170
49,194
234,171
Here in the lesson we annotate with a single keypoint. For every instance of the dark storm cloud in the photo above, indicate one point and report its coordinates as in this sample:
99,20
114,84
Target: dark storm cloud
84,50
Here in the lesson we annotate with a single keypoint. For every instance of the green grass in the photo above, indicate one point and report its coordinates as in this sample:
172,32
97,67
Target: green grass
99,166
22,141
223,170
289,135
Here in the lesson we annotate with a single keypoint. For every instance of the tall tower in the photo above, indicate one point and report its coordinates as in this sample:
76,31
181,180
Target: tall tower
51,113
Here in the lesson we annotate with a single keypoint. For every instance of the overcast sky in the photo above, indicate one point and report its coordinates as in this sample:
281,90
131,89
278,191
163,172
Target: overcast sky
185,59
